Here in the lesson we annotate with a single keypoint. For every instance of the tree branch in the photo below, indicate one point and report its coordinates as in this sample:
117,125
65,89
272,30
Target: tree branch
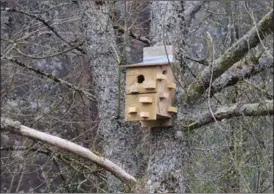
227,112
142,39
16,127
54,78
231,56
51,28
239,72
201,61
190,13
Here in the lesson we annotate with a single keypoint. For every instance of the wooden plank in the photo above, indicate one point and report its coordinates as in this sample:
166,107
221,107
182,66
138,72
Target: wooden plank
144,114
146,85
164,95
161,98
171,85
133,101
132,110
160,76
172,109
149,85
145,99
134,89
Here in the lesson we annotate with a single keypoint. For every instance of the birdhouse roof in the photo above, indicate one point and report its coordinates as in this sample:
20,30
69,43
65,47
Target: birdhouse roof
155,56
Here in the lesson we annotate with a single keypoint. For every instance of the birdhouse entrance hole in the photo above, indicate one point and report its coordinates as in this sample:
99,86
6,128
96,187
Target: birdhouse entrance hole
140,79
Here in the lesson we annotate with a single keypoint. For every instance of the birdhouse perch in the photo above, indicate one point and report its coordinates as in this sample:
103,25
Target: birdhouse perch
150,88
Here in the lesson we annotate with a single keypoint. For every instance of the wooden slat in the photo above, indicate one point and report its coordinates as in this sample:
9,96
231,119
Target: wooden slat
160,76
134,89
132,110
172,109
145,100
171,85
164,95
149,84
144,114
133,101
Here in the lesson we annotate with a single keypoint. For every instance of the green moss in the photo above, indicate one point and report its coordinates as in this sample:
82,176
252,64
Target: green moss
53,78
193,90
196,87
188,121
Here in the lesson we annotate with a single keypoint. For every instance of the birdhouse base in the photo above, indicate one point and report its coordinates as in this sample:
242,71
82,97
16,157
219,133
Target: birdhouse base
157,123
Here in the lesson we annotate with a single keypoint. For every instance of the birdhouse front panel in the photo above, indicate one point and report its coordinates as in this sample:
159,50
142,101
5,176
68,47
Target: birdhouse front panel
154,97
150,89
141,107
143,80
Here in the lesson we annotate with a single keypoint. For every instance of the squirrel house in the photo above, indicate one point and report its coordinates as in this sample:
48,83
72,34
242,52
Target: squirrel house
150,88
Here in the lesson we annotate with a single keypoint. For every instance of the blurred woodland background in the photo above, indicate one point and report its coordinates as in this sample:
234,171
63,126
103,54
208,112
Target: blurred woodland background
60,75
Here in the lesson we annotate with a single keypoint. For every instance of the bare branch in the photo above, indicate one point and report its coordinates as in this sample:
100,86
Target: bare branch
16,127
142,39
54,78
201,61
51,28
235,53
227,112
238,72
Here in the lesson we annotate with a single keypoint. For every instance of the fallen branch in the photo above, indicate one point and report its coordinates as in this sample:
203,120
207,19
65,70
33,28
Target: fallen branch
235,53
54,78
17,128
227,112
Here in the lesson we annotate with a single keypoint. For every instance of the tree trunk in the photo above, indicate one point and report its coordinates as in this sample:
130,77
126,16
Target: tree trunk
168,151
119,137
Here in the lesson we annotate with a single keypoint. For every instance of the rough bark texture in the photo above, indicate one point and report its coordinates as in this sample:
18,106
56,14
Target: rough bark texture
240,71
167,150
231,56
227,112
119,137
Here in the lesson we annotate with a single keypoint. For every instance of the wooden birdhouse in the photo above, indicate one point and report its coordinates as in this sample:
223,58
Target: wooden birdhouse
150,88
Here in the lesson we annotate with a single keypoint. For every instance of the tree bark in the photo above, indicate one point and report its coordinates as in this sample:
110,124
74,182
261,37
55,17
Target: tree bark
240,71
165,172
119,137
227,112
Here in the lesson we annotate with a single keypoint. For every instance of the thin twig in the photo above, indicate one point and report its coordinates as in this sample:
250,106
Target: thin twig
54,78
51,28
